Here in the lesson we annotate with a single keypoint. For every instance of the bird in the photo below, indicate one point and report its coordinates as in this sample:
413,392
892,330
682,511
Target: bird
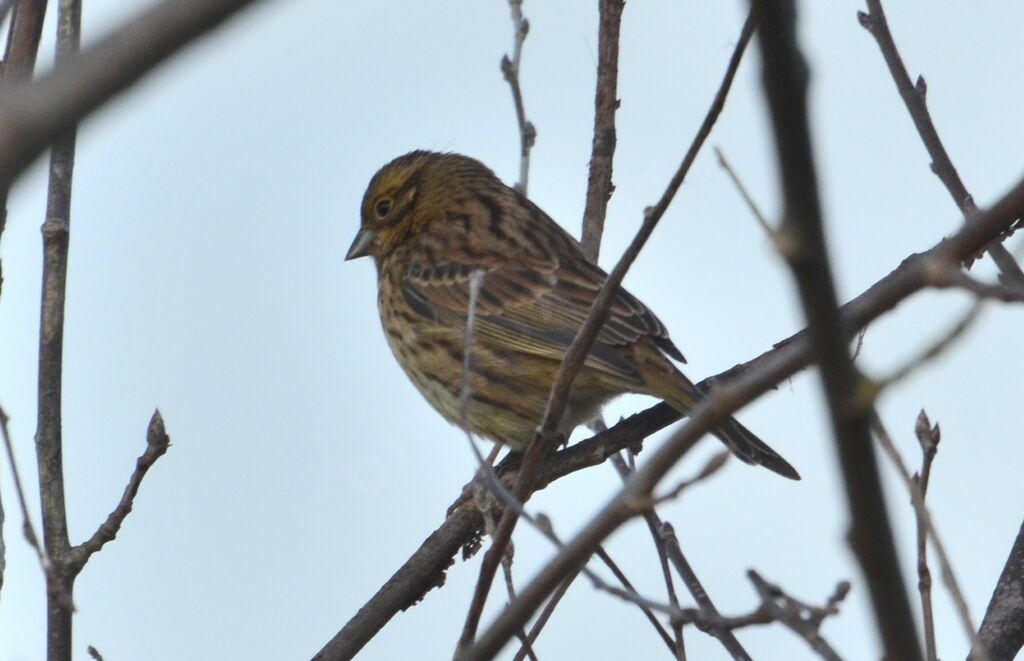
432,223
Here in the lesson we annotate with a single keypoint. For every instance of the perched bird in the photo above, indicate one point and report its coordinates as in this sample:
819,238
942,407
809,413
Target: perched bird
431,221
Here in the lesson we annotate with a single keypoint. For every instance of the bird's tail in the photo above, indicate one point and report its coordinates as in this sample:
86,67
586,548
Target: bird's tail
747,446
682,395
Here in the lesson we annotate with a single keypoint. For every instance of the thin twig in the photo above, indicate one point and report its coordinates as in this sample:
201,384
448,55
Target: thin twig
653,522
577,353
157,442
602,152
632,592
506,567
714,464
785,78
486,470
27,529
949,276
747,198
804,620
510,70
928,438
924,517
545,615
914,97
700,595
933,350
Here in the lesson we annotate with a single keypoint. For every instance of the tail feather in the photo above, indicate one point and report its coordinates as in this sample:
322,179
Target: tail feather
751,449
672,385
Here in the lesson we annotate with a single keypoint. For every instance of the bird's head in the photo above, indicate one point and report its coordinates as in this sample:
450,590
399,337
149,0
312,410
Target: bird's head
410,191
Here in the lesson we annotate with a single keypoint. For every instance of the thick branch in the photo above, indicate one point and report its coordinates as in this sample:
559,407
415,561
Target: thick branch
785,81
32,115
1002,629
49,444
426,567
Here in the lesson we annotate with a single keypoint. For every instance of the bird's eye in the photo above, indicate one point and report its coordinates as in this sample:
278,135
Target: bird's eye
383,207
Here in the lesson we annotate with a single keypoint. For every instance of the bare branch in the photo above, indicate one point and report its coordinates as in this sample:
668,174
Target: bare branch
932,350
49,443
32,115
27,529
545,615
804,620
928,437
606,102
924,519
506,567
704,603
486,470
653,522
949,276
714,464
632,595
914,98
510,70
23,35
785,81
776,238
157,442
1002,629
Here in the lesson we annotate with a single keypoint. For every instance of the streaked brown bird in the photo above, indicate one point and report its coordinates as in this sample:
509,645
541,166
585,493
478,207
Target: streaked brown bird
430,221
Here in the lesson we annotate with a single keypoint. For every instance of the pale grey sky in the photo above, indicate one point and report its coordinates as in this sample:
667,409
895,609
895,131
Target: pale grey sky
212,208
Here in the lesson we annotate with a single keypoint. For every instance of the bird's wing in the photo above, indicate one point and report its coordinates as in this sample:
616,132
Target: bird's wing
534,304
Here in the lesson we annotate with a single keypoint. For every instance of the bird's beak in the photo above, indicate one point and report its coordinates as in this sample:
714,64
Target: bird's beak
361,245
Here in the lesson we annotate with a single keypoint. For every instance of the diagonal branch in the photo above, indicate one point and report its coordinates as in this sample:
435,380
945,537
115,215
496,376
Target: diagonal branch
32,115
27,529
700,595
802,619
914,98
157,442
1002,628
577,353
